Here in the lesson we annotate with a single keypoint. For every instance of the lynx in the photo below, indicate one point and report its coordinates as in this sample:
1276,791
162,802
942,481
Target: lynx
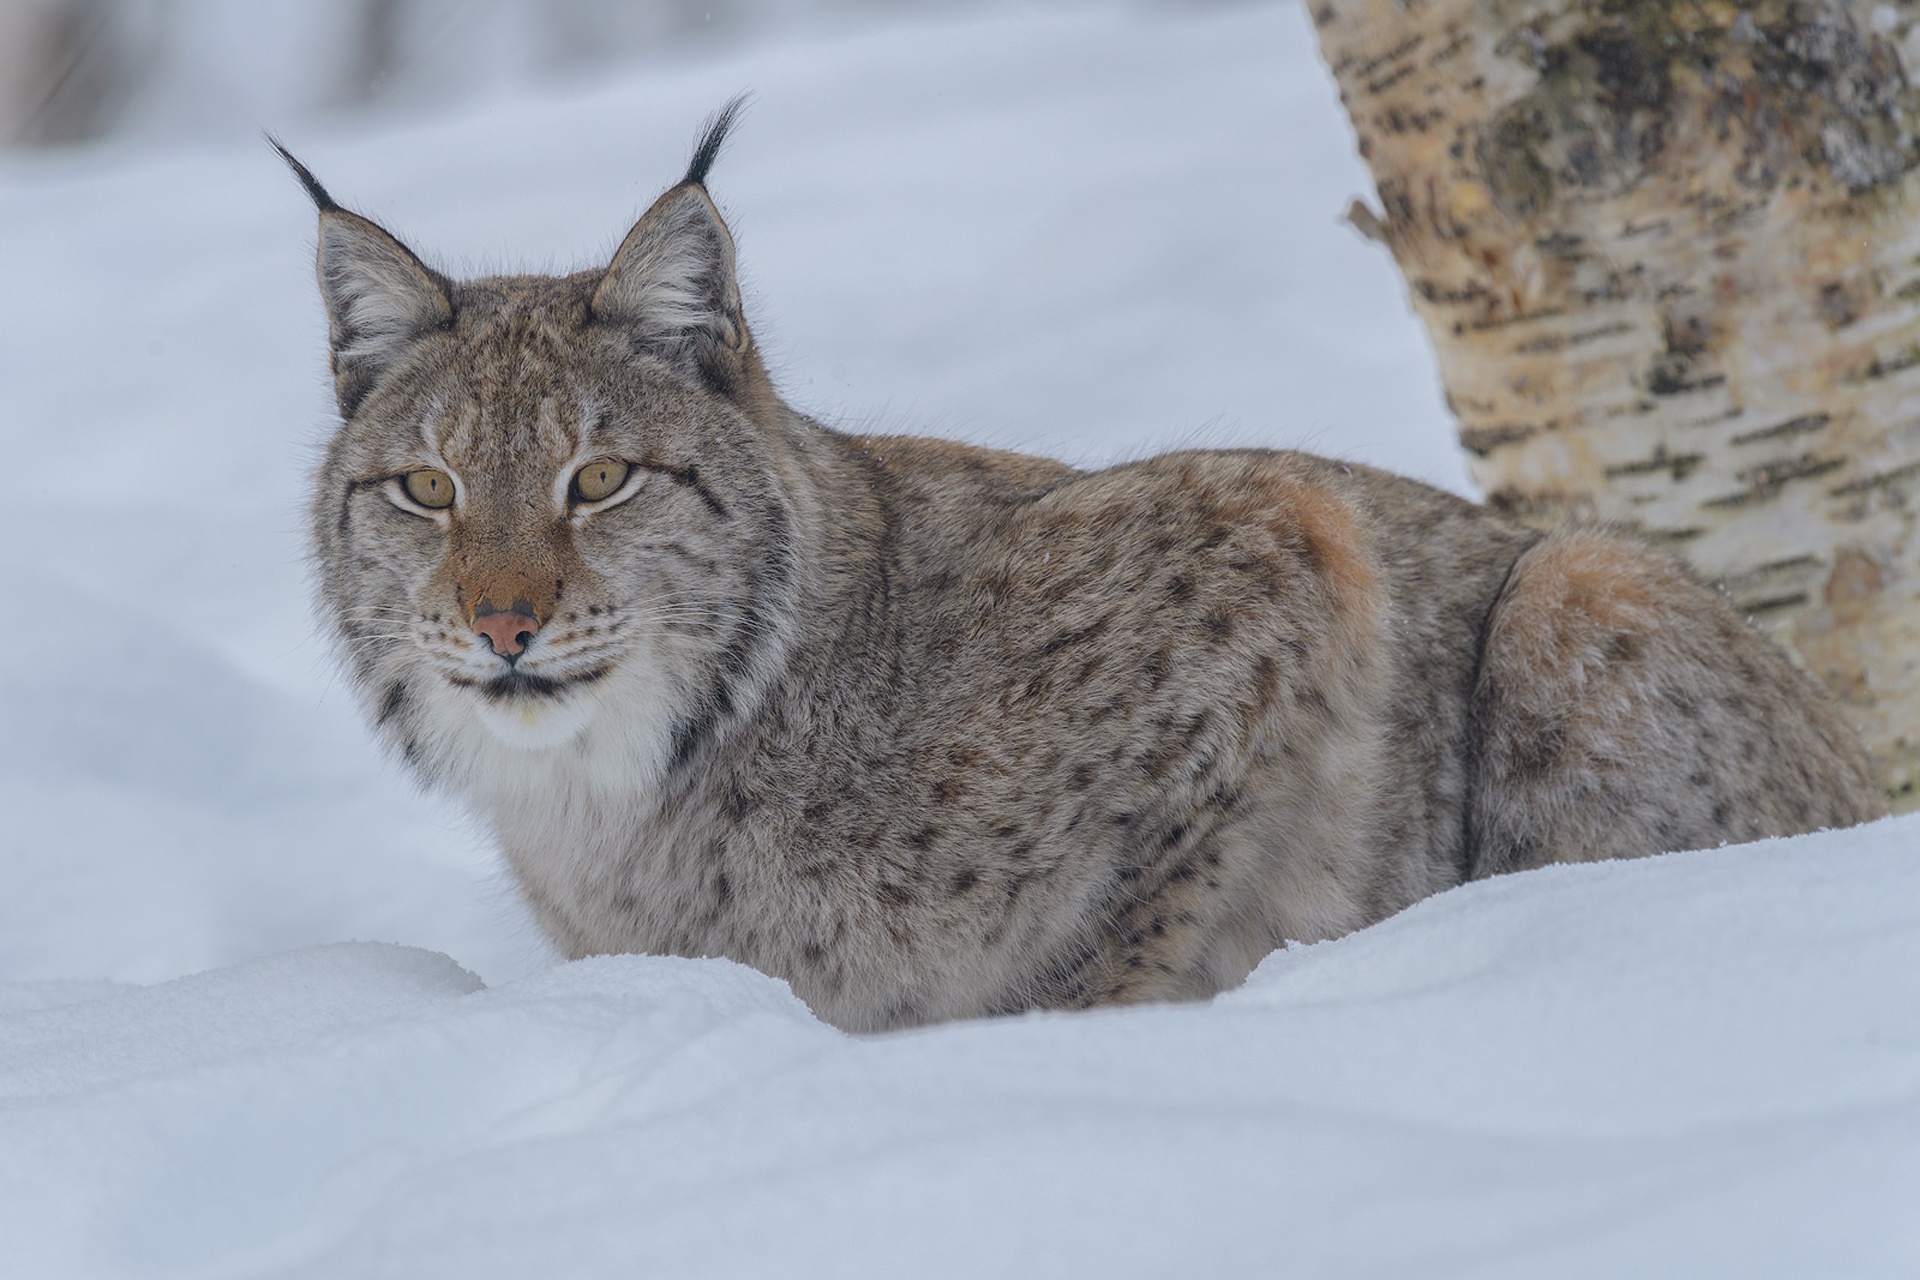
933,731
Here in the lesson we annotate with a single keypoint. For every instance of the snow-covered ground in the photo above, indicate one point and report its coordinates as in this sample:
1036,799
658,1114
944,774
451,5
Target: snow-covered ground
1096,233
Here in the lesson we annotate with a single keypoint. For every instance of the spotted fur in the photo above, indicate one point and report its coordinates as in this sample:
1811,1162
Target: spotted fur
933,731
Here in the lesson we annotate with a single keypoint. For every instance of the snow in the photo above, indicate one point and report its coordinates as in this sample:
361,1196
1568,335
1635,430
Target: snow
1093,232
1701,1065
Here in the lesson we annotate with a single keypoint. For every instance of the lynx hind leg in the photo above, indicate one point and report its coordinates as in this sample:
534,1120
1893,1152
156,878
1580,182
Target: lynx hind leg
1623,709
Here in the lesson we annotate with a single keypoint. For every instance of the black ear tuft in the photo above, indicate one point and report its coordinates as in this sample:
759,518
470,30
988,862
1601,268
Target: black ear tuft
321,200
712,136
671,285
380,297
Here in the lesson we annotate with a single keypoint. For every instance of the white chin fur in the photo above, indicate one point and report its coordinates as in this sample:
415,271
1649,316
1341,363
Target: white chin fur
536,724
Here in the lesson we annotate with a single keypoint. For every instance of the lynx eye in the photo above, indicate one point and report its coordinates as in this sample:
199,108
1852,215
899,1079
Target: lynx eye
431,489
599,479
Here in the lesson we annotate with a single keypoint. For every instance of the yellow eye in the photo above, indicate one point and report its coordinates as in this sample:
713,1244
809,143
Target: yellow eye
600,478
429,488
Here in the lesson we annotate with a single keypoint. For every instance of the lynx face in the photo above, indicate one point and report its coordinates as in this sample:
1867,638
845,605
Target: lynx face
547,497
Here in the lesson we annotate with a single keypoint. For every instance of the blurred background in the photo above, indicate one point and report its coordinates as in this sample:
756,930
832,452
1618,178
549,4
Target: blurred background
75,70
1092,229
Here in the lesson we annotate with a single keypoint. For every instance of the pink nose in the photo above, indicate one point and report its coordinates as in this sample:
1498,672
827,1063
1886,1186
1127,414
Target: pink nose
507,630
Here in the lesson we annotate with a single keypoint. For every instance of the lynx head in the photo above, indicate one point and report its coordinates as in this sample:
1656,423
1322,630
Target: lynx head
548,497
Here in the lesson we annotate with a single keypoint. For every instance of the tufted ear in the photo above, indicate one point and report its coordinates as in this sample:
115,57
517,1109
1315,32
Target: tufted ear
671,286
380,297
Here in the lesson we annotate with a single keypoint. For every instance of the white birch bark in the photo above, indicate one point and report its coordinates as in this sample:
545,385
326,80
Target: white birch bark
1668,254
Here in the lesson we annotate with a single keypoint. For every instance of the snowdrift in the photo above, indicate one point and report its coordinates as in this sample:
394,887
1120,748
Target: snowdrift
1097,233
1702,1065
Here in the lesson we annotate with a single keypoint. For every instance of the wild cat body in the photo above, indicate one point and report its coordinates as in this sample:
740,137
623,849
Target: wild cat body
934,731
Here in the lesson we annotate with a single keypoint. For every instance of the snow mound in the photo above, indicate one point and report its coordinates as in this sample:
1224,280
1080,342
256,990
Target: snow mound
1700,1065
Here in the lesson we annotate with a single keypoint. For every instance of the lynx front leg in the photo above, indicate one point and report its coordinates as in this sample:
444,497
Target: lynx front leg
1623,709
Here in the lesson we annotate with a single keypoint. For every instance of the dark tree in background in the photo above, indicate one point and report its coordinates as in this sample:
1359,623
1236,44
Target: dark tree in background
1668,255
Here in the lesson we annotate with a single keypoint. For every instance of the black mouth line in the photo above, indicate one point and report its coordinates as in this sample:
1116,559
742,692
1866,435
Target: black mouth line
524,684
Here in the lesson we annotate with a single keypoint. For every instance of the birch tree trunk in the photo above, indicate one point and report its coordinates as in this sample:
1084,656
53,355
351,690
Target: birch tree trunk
1668,254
